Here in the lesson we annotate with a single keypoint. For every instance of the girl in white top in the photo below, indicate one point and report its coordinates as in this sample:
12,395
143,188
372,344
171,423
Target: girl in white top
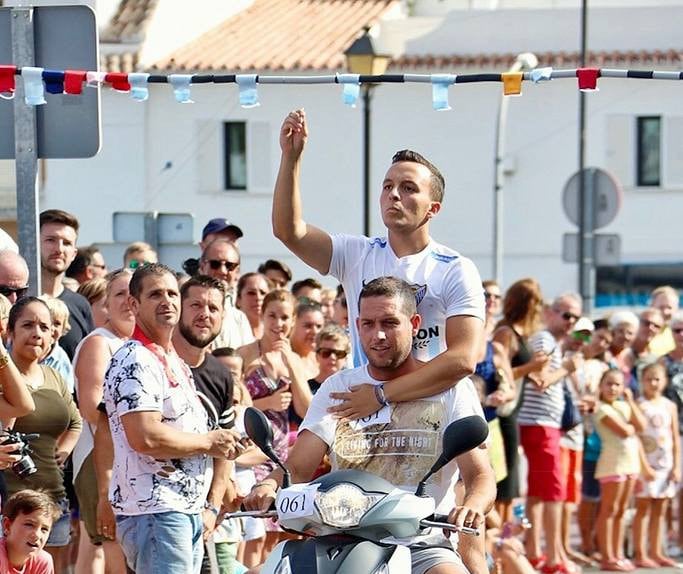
91,361
657,482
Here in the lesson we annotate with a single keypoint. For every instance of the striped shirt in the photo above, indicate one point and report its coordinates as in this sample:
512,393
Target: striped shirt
543,407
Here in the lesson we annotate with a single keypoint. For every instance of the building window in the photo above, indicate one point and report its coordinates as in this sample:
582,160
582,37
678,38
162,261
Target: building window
235,140
649,151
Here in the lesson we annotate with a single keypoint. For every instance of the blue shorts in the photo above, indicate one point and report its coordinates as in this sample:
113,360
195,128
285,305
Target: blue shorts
590,487
163,543
60,535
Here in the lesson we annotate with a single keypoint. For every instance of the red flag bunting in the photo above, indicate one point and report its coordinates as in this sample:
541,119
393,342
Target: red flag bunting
588,78
118,81
73,81
7,78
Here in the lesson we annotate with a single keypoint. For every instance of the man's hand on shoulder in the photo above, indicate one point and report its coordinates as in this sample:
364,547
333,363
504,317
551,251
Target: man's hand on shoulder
358,402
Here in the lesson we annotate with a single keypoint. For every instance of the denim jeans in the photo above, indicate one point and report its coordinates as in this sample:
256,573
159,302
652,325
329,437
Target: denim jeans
164,543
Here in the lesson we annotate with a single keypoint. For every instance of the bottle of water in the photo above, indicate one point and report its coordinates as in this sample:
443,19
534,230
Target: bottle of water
520,516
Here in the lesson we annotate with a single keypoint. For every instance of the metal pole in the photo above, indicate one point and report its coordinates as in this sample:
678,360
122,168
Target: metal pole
25,149
498,181
367,98
586,191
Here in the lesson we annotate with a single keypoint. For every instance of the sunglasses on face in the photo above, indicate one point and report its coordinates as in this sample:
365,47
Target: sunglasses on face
677,330
567,316
216,264
7,291
327,353
581,336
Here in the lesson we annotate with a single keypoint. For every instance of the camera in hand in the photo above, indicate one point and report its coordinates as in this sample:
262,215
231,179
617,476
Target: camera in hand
24,466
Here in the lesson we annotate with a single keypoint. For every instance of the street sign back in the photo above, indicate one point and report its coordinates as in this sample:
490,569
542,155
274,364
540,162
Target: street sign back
606,197
65,38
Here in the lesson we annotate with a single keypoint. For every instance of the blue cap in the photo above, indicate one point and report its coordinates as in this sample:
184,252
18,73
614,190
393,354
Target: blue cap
219,224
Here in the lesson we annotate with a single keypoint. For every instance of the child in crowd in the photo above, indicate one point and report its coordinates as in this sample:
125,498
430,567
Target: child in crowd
252,529
657,482
617,422
56,357
27,520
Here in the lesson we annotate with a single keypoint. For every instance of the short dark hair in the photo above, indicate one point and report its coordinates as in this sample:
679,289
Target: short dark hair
135,287
438,181
59,216
28,501
225,352
84,258
18,307
203,281
391,287
275,265
308,282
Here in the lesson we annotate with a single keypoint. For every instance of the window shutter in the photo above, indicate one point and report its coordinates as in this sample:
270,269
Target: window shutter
672,152
620,152
210,152
259,177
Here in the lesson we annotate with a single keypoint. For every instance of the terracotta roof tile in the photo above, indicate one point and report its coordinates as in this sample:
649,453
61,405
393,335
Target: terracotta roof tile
129,22
281,35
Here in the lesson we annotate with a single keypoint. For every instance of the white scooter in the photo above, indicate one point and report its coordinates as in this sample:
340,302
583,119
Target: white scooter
354,519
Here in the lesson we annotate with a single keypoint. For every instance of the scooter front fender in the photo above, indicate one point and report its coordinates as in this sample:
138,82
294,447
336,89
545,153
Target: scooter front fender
337,555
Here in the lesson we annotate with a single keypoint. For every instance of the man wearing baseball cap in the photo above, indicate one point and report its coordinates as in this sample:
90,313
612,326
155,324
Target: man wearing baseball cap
215,228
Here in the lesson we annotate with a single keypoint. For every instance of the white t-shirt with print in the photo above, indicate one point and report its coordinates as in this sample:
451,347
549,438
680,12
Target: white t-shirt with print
400,442
140,484
445,283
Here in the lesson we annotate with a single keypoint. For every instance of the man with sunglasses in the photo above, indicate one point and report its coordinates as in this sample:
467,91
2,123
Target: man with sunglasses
13,275
221,260
540,418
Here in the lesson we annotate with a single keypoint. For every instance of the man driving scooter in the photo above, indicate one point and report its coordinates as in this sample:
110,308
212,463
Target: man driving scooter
401,440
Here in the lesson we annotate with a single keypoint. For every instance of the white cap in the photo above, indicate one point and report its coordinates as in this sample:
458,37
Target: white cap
584,324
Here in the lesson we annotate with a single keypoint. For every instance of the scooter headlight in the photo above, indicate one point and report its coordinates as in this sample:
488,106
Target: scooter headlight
344,505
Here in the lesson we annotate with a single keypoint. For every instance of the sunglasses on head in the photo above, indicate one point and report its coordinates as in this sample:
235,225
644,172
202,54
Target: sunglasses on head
327,353
216,264
134,263
7,291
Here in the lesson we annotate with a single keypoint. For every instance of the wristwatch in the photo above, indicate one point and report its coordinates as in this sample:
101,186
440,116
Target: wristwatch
379,395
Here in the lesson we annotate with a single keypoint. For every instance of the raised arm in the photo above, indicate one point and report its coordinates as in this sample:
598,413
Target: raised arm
16,399
310,244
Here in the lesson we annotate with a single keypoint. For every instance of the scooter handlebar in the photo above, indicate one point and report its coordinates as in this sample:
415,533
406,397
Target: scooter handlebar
441,521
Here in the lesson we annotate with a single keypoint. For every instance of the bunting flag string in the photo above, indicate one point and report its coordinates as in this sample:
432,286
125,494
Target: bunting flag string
38,81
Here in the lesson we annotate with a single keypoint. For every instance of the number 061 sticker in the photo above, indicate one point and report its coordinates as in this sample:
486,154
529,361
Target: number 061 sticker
296,501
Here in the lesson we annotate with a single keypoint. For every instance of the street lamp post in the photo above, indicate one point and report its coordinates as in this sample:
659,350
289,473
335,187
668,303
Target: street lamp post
362,58
525,61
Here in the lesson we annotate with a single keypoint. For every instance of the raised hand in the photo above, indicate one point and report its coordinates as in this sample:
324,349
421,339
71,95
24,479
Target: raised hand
293,134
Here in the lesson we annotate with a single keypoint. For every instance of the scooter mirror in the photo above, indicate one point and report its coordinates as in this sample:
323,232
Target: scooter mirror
463,435
459,437
258,429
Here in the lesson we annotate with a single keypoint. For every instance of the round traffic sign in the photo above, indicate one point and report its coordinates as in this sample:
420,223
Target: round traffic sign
607,197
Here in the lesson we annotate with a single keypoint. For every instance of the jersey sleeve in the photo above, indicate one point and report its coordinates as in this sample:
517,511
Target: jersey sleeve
463,290
346,249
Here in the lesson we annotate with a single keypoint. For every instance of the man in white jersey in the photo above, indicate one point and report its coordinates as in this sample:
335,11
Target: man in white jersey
393,443
447,286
